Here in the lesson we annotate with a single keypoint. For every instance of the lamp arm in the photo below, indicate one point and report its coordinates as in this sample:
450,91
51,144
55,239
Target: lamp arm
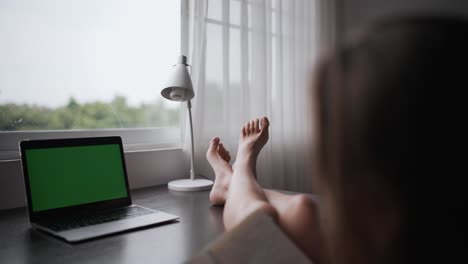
192,152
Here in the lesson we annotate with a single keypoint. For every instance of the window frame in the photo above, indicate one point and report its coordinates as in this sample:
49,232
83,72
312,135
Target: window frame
134,139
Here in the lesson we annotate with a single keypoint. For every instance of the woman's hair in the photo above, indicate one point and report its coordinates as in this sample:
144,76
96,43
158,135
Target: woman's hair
364,92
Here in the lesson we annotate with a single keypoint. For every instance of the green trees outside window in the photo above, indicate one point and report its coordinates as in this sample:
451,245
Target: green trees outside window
91,115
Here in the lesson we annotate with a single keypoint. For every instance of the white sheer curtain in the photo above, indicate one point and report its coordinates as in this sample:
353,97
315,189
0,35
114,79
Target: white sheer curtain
254,58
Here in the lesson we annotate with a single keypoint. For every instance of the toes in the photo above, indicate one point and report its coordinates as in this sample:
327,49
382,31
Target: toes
227,157
247,128
224,153
257,125
213,148
222,149
265,123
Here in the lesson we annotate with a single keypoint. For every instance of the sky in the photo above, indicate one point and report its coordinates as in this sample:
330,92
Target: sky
92,50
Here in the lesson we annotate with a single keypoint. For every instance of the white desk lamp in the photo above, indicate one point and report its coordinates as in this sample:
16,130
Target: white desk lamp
179,88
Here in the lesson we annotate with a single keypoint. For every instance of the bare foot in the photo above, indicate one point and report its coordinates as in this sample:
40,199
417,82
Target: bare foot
219,158
253,137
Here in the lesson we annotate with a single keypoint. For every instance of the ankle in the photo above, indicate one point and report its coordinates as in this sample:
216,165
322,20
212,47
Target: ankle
246,161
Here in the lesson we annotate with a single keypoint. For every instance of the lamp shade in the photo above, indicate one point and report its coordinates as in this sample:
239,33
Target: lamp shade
179,86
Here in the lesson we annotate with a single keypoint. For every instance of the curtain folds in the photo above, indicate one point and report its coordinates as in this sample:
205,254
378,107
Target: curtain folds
251,59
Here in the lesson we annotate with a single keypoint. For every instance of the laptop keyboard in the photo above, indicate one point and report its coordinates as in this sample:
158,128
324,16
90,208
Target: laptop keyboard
98,218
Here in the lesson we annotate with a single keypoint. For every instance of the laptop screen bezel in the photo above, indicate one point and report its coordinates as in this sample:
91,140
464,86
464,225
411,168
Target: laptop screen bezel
76,209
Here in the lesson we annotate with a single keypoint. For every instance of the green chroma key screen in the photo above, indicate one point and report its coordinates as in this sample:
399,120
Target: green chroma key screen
67,176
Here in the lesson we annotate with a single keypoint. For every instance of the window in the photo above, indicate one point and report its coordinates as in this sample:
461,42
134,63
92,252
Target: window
86,68
235,30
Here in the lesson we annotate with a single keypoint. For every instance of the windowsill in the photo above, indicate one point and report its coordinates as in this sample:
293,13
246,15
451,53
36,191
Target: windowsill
146,147
138,139
12,156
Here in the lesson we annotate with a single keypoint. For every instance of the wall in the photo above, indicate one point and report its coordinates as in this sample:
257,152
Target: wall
145,168
356,13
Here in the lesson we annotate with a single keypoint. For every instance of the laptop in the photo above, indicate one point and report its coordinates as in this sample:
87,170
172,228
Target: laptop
77,189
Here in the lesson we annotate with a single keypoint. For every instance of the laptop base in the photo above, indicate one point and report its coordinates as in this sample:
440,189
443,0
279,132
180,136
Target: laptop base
113,227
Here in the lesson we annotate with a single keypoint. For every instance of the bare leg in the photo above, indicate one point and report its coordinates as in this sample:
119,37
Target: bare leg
245,195
297,215
219,158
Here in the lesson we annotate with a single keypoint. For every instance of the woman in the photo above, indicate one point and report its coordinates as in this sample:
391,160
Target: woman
363,94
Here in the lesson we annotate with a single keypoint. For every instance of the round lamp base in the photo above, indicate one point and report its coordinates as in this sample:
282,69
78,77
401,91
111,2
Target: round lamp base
189,185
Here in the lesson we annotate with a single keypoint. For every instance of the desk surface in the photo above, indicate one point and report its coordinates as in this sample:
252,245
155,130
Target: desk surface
199,224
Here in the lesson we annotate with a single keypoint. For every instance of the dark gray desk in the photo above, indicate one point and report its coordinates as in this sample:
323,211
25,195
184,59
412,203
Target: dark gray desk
200,223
